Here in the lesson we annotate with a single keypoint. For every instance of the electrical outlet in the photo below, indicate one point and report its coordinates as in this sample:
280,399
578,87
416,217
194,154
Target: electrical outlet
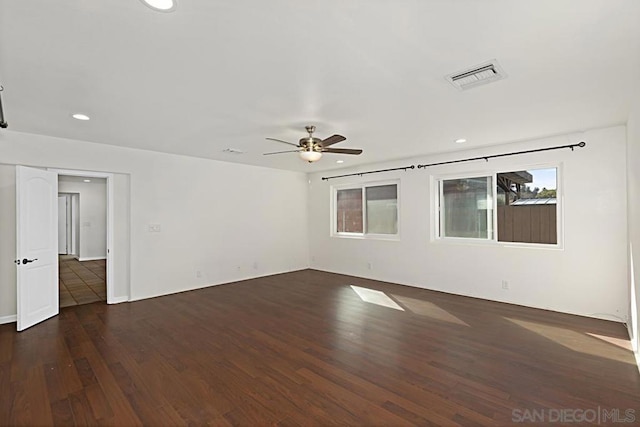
369,265
505,285
154,228
255,265
198,274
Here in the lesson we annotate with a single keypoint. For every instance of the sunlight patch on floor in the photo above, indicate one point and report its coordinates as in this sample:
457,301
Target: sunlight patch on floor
581,342
375,297
622,343
428,309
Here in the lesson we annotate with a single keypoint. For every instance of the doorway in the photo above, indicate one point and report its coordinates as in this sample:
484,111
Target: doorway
37,273
82,239
88,264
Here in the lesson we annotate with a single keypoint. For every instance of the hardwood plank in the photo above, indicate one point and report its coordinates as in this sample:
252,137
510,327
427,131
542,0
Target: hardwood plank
81,409
39,405
55,385
369,413
152,408
19,413
5,390
62,413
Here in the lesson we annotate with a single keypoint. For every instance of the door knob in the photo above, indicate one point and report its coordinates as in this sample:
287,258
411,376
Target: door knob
27,261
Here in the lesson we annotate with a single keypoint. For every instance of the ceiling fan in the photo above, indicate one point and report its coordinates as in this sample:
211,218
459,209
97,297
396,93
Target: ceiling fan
311,148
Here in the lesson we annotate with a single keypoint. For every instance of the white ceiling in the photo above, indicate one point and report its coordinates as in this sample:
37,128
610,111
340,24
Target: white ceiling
226,74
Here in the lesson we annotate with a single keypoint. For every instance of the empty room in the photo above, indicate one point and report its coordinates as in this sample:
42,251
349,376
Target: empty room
248,213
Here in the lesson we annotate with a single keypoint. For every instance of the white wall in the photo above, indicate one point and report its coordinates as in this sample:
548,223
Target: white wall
228,221
92,216
633,183
220,218
586,277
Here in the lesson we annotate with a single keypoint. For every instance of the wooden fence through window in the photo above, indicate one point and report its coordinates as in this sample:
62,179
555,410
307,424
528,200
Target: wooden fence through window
528,224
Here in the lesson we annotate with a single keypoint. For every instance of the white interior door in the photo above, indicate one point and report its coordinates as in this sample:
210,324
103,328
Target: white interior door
37,245
62,225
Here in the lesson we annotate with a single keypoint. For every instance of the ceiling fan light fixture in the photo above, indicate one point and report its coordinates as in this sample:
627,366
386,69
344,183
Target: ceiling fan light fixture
310,156
310,149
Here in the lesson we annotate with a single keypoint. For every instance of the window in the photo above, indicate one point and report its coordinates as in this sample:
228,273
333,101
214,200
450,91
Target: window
527,206
382,209
349,211
520,205
466,208
367,210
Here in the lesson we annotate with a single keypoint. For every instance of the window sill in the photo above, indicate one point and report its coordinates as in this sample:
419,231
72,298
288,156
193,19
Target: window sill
493,243
391,237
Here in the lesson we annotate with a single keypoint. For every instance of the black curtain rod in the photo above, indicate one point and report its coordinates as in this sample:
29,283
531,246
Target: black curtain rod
327,178
559,147
3,124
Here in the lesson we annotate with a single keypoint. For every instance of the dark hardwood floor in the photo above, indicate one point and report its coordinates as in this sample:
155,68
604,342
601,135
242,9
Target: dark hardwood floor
305,349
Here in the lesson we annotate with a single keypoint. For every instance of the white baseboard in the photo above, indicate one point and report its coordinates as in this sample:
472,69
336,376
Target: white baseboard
8,319
118,300
95,258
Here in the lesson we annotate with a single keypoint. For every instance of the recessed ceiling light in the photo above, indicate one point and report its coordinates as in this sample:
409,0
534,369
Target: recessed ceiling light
161,5
339,161
79,116
461,141
87,180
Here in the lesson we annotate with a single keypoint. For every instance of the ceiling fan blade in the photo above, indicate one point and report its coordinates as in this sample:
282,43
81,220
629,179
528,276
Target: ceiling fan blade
284,142
334,139
342,150
282,152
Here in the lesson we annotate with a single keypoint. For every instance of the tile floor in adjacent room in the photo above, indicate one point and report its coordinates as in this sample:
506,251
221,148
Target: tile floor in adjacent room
82,282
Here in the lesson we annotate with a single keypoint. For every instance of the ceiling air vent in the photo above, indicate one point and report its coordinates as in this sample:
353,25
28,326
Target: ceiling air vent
475,76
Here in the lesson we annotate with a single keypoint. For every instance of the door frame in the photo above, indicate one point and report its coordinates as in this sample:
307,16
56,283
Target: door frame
110,219
73,213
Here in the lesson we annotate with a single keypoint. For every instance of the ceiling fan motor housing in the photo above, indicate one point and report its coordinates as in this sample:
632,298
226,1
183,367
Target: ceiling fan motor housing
314,143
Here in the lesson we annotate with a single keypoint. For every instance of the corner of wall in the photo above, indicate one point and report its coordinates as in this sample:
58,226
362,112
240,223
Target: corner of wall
633,222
